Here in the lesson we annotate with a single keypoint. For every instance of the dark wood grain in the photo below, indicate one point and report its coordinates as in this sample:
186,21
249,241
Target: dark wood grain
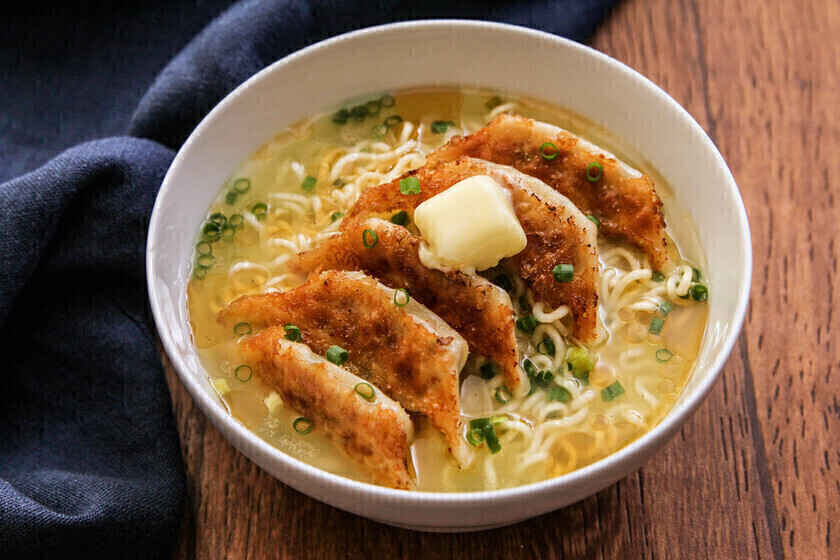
756,472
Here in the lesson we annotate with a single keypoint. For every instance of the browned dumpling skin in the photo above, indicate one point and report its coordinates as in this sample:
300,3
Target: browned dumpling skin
478,310
623,200
408,352
557,232
376,434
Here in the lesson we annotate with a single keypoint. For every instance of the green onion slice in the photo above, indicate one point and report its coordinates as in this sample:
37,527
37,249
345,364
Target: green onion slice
336,215
549,151
487,371
369,239
410,185
302,425
664,309
236,220
503,394
611,392
393,120
260,209
200,272
479,423
656,325
439,127
211,231
386,101
341,116
657,276
309,183
242,185
400,218
475,437
203,248
561,394
218,218
579,362
546,346
243,373
594,171
373,107
242,329
205,260
337,355
358,112
663,355
695,275
292,332
564,272
594,220
503,282
401,297
491,439
227,232
699,292
379,131
365,390
230,197
529,367
527,324
339,182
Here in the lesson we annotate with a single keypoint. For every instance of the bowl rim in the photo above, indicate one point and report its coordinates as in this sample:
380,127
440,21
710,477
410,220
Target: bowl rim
653,439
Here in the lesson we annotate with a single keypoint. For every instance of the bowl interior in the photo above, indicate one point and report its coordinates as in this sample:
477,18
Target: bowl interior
467,54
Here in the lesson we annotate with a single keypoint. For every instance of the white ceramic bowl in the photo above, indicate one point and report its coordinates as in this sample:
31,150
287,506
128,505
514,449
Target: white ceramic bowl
453,53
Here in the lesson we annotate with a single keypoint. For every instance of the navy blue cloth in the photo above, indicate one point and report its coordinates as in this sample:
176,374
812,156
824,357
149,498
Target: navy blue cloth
90,465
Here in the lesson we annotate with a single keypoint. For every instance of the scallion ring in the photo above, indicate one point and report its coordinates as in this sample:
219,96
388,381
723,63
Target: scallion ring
243,373
549,151
292,332
259,210
503,394
227,232
337,355
699,292
242,185
365,390
594,171
336,215
242,329
564,272
386,101
393,120
203,248
369,239
200,272
218,218
205,260
440,127
302,425
236,220
401,297
475,437
211,231
309,183
663,355
410,185
656,325
231,196
373,107
546,346
379,131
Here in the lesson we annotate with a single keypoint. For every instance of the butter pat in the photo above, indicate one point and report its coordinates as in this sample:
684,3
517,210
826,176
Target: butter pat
469,226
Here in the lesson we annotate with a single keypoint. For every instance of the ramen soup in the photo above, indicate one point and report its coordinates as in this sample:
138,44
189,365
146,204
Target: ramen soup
581,401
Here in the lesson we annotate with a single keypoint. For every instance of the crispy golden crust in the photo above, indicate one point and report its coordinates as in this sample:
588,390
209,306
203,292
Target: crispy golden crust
412,360
557,231
478,310
376,435
623,200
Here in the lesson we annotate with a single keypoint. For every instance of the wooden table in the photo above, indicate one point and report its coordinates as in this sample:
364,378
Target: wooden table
756,472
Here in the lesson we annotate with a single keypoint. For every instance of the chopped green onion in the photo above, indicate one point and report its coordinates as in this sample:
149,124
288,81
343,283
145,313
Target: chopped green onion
227,232
218,218
242,185
549,151
487,371
611,392
341,116
242,329
393,120
663,355
558,393
359,113
479,423
211,231
236,220
259,210
379,131
365,390
292,332
400,218
594,171
493,102
699,292
664,309
205,260
523,305
657,276
336,215
230,197
695,275
373,107
544,377
439,127
410,185
369,234
491,439
302,425
656,325
546,346
243,373
386,101
529,367
475,437
503,394
203,248
564,272
527,324
309,183
401,297
503,282
594,220
200,272
339,182
579,362
337,355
